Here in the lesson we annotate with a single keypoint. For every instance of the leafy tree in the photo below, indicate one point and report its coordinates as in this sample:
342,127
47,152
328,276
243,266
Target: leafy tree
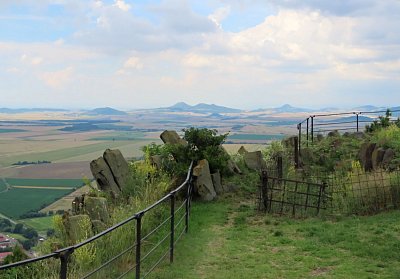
30,233
18,228
382,122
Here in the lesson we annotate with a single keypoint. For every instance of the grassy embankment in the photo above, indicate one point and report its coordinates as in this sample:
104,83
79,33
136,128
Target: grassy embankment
229,239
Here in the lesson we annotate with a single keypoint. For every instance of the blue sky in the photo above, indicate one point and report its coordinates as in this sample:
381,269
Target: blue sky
245,54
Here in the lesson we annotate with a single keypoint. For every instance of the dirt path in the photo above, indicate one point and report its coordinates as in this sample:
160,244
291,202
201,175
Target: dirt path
8,186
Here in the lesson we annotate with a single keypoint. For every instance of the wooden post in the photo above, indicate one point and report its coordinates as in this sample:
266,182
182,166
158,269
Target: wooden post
279,166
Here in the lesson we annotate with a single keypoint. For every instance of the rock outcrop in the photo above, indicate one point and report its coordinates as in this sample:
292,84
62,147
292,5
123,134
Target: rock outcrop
365,155
204,184
216,179
172,137
111,172
255,161
118,166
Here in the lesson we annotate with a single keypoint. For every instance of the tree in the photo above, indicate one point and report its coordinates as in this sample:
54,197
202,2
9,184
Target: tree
18,228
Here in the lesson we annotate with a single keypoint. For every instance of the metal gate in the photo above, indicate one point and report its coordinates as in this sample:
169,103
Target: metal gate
286,196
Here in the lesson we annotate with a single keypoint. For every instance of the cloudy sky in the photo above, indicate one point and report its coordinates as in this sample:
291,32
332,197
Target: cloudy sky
238,53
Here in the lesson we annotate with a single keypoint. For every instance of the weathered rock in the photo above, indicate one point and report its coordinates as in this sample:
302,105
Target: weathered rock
242,150
77,205
172,137
118,166
216,179
358,135
233,167
387,157
365,155
289,142
77,227
334,133
96,208
377,157
98,226
203,183
156,160
104,177
254,160
320,137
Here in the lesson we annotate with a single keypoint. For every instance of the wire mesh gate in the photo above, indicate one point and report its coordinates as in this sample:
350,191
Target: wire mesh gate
286,196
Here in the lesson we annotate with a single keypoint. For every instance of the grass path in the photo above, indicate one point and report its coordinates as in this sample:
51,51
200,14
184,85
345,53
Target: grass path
229,239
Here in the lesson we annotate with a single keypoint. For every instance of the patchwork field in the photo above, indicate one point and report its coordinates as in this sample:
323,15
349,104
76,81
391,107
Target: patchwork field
28,195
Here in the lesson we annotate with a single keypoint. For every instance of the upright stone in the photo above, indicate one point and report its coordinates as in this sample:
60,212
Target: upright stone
156,160
377,157
104,177
216,179
77,227
365,155
387,157
203,183
172,137
96,208
118,166
242,150
254,160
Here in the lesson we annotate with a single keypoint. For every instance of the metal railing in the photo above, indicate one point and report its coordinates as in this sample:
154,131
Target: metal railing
64,254
342,122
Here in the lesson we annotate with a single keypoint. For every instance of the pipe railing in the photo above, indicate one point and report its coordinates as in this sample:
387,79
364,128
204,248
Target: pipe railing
64,254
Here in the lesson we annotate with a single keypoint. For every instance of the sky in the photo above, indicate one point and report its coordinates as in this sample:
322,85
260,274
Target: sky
244,54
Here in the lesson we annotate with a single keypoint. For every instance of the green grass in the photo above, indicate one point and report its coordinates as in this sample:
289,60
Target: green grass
45,182
41,224
231,240
11,130
18,201
255,137
18,237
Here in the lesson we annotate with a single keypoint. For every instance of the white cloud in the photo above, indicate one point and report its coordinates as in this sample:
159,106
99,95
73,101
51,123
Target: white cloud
219,15
133,63
57,79
122,5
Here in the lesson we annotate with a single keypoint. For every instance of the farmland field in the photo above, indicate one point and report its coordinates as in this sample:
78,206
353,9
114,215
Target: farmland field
40,224
71,183
11,130
17,201
3,185
254,137
63,153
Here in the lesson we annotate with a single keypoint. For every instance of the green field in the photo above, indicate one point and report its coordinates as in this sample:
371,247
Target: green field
75,183
255,137
17,201
2,185
61,154
11,130
41,224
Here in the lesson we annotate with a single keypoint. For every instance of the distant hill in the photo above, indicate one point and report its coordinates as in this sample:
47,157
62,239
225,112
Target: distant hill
24,110
201,108
367,108
106,111
285,108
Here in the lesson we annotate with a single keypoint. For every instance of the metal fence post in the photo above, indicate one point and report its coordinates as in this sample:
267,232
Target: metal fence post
357,121
171,245
64,263
296,152
307,131
279,163
312,128
138,244
187,207
264,190
299,127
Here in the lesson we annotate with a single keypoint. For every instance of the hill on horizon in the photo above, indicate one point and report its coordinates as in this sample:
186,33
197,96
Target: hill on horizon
106,111
202,108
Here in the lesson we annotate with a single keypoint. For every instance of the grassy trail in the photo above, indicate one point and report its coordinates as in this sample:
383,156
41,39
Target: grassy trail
229,239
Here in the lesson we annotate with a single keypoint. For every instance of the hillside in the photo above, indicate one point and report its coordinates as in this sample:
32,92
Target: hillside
106,111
